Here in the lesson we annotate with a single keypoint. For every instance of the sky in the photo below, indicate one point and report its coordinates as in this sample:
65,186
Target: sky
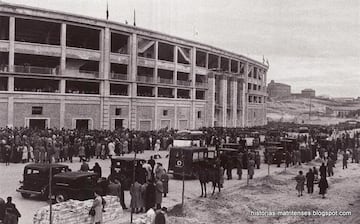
309,44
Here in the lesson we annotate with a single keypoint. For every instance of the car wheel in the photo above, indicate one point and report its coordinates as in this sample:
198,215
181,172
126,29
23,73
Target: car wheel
60,197
25,195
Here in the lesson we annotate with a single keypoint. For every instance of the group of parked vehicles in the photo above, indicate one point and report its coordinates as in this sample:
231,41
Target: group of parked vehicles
66,184
184,159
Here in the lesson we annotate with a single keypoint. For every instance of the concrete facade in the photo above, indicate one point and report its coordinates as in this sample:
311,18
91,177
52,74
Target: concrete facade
110,77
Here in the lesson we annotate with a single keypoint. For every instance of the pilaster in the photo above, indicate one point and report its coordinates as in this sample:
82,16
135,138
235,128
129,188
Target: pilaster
12,43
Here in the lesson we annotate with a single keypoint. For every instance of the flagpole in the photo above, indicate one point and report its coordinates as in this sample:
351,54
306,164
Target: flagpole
134,18
107,10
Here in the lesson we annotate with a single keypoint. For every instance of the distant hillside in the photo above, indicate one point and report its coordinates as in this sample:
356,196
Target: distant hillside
297,110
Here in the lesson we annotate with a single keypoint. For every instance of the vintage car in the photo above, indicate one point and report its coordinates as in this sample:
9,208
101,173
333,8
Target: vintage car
187,138
271,151
75,185
186,160
226,154
122,169
240,147
36,178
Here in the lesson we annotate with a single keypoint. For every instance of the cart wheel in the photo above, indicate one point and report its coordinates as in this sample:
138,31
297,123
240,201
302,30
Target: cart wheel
25,195
60,197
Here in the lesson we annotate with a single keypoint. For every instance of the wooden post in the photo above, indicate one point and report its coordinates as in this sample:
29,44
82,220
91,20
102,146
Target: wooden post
50,193
133,180
183,179
247,178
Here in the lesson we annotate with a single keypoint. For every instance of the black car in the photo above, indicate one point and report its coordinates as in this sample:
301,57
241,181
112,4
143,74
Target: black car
75,185
36,178
122,169
186,160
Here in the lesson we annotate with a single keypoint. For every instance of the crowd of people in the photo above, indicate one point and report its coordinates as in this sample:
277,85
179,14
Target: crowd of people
151,182
54,145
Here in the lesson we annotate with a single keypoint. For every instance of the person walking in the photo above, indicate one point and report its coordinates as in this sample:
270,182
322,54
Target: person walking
257,159
251,168
345,159
300,181
159,188
330,167
82,152
97,206
97,169
135,192
310,177
84,166
160,217
114,189
239,167
322,170
165,181
7,154
25,153
12,214
323,185
150,196
2,210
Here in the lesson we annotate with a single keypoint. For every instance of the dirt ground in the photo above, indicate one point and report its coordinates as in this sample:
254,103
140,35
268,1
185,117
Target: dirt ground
238,201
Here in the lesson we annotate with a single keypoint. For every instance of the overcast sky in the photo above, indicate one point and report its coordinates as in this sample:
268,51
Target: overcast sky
309,44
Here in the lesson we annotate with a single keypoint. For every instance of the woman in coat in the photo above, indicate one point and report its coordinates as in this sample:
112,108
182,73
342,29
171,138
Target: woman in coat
251,168
300,181
323,185
159,191
98,207
150,196
165,181
135,192
25,153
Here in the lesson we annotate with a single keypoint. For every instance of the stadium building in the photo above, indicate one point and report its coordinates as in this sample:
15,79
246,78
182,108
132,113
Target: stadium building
69,71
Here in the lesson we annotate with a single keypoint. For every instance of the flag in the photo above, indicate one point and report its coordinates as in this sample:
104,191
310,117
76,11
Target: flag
134,18
107,10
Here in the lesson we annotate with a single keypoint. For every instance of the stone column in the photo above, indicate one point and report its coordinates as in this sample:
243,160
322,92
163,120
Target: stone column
11,84
246,95
106,61
62,113
193,88
234,93
223,97
133,74
63,49
10,112
12,43
244,103
210,98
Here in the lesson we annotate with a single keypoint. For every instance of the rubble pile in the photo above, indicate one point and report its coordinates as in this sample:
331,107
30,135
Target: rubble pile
75,212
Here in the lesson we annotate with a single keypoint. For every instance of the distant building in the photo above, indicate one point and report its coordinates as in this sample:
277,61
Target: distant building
344,99
276,90
343,112
308,93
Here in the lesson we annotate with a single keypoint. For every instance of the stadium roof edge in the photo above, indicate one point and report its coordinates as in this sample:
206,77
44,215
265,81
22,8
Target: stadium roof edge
11,5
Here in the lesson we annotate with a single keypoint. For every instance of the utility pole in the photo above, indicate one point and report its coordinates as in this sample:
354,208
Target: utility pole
50,193
183,179
133,180
309,109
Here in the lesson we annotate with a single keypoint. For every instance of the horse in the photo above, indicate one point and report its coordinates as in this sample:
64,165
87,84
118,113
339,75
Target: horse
214,174
203,178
